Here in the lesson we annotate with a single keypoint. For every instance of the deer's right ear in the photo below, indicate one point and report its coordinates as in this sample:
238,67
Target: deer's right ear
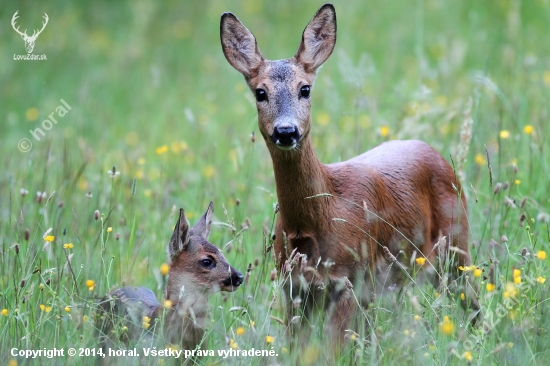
180,237
239,46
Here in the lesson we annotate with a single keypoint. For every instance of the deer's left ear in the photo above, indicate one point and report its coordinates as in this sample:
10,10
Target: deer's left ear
180,237
202,227
318,39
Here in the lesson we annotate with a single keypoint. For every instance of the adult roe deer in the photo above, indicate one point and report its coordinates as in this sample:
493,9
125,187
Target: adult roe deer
401,196
197,269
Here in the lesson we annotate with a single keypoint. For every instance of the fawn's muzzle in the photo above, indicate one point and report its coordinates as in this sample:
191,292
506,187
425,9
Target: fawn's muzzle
285,136
235,279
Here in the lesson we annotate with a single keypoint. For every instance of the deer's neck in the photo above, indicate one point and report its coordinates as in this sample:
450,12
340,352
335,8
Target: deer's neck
298,176
185,321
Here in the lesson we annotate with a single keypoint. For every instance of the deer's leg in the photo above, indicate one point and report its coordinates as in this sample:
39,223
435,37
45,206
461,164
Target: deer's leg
455,254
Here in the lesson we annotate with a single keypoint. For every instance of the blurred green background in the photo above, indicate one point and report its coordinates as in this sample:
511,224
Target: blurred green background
152,94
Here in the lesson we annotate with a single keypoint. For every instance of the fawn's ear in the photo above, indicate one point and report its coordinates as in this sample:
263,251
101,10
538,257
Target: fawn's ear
239,46
180,237
318,39
202,227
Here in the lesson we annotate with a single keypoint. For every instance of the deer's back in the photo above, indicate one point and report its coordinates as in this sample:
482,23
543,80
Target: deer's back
402,191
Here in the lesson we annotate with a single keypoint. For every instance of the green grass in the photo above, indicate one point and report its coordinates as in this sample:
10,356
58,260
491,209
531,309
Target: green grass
139,76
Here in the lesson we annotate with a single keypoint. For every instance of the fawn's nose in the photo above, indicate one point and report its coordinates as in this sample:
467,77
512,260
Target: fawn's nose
285,136
235,280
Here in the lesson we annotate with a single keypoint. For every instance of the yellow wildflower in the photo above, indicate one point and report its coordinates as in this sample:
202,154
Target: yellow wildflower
510,345
480,159
32,114
4,312
146,322
541,254
468,356
510,290
504,134
240,331
233,344
490,287
208,171
85,318
168,304
90,284
67,309
45,308
164,269
517,182
446,326
528,129
420,261
541,279
478,272
462,296
12,362
269,339
517,273
49,238
109,229
68,246
162,149
417,317
384,131
323,118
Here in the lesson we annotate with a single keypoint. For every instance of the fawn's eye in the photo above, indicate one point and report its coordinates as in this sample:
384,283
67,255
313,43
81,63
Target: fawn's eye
261,95
208,263
304,91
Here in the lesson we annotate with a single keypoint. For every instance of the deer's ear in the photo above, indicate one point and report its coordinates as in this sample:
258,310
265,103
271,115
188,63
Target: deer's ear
239,46
180,237
318,39
202,227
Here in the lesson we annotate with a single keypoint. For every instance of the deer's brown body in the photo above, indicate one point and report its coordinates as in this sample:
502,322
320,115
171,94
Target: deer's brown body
401,196
197,269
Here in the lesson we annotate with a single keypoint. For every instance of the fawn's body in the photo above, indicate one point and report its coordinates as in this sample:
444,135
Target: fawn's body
197,270
401,195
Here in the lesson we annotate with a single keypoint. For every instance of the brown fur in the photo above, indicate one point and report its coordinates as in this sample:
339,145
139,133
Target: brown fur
401,195
190,283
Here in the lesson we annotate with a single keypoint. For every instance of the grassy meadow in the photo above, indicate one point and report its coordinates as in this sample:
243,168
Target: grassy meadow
159,120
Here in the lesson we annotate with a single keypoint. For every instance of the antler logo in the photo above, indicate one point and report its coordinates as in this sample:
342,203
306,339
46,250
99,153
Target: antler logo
29,41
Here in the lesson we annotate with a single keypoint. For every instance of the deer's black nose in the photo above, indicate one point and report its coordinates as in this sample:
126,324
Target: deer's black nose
285,135
235,280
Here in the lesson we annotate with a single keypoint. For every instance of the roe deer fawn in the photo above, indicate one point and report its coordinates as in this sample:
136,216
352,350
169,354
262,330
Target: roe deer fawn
348,220
197,269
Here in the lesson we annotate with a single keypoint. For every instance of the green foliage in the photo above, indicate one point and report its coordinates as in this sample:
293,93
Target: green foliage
152,94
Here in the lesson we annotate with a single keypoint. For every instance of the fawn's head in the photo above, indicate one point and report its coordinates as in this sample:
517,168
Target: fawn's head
282,88
198,266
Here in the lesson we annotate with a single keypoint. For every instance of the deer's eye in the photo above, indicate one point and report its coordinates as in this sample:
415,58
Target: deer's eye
208,263
304,91
261,95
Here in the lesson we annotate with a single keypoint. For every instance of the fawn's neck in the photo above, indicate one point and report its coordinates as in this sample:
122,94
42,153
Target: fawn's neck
186,319
299,175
